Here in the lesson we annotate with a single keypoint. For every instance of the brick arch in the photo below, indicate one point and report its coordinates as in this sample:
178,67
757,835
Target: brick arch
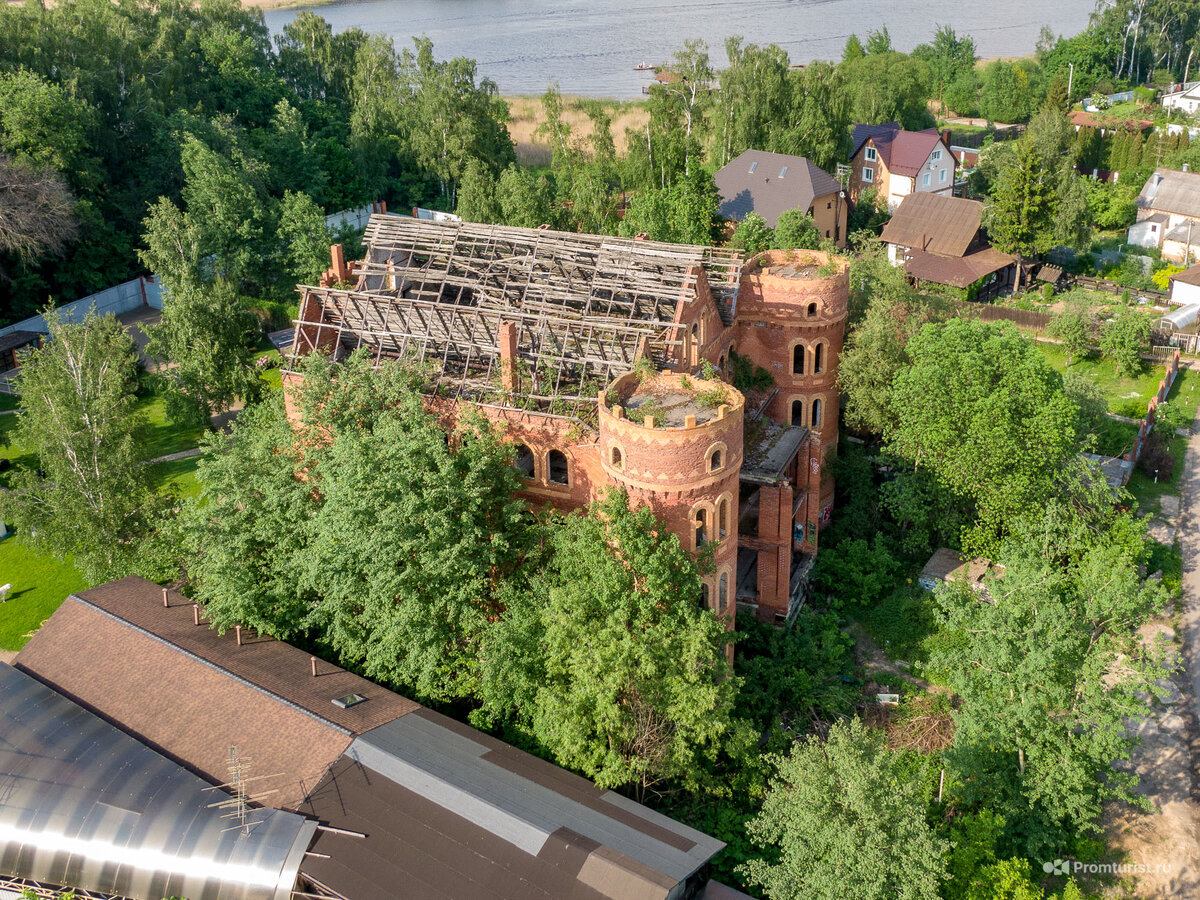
716,447
723,524
805,362
615,448
570,466
802,399
700,524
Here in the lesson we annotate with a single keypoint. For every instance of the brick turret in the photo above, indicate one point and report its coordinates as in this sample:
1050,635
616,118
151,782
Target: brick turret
675,444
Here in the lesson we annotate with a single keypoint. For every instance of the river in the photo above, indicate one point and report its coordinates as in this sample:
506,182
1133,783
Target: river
591,47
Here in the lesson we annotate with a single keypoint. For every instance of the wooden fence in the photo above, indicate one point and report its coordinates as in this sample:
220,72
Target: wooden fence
1022,318
1111,287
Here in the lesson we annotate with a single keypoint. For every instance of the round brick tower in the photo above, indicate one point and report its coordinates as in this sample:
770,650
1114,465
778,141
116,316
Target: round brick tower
798,301
674,442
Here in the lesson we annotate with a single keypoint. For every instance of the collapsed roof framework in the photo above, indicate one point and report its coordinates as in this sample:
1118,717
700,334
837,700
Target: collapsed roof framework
585,307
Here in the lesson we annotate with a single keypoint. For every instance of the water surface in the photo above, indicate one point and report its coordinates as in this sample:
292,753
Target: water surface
591,47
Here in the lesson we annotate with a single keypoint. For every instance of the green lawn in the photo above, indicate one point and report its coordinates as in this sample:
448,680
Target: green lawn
1126,396
178,472
1146,491
39,584
1185,393
165,436
8,401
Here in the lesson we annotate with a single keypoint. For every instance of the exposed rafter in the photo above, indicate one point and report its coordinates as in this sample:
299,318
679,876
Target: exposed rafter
584,307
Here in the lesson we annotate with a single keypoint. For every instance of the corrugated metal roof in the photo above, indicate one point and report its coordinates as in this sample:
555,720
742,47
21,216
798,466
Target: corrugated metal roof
770,184
86,806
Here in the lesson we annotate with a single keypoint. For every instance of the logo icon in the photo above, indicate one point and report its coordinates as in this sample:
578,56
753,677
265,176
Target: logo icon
1058,867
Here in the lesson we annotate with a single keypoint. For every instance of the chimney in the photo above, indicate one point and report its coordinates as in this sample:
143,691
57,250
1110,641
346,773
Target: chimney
338,256
196,613
238,629
313,661
946,136
165,604
508,355
641,236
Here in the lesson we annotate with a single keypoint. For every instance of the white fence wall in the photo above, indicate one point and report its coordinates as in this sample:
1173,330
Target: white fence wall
351,218
148,292
115,300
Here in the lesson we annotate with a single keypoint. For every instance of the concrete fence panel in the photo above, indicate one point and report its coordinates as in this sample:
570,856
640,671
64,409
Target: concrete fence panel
116,300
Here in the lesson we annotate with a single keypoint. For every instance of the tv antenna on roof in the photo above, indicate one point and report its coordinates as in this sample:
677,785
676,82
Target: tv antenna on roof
237,805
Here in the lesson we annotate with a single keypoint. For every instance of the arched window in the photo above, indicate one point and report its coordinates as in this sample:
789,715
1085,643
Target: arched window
723,593
819,358
524,461
714,460
704,595
701,523
812,309
798,360
797,412
559,473
722,518
816,413
617,460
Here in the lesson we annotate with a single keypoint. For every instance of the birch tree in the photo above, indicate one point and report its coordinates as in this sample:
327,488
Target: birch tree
89,493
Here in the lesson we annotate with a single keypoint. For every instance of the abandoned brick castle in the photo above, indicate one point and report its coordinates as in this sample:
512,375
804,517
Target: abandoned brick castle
590,351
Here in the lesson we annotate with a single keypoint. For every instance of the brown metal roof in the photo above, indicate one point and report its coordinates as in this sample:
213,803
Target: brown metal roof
457,814
903,152
956,272
14,340
192,694
934,223
770,184
1188,276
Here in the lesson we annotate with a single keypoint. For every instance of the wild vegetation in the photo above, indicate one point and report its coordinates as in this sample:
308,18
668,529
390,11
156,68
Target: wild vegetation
177,137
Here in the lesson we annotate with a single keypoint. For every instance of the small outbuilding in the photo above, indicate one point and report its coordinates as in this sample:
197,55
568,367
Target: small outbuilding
947,566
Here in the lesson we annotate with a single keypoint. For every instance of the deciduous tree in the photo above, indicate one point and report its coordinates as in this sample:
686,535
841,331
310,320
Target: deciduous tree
1124,339
981,408
91,495
609,660
1051,670
845,817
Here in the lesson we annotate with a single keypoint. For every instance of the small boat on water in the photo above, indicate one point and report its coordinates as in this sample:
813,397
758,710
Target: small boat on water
643,66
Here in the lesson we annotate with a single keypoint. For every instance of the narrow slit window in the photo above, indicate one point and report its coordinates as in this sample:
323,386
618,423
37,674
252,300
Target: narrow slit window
798,360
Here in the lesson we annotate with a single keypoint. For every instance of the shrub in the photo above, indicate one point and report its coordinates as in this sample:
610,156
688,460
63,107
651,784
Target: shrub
1156,460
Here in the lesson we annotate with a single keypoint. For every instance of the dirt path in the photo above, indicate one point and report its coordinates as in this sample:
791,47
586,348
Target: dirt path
1168,840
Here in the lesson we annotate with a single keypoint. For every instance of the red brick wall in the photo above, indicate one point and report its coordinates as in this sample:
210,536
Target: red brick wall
668,469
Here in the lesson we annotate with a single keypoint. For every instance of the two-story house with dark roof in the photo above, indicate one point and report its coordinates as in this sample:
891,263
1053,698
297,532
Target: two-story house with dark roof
897,163
771,184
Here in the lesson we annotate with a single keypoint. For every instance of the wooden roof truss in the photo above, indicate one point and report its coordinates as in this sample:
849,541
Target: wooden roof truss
585,307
